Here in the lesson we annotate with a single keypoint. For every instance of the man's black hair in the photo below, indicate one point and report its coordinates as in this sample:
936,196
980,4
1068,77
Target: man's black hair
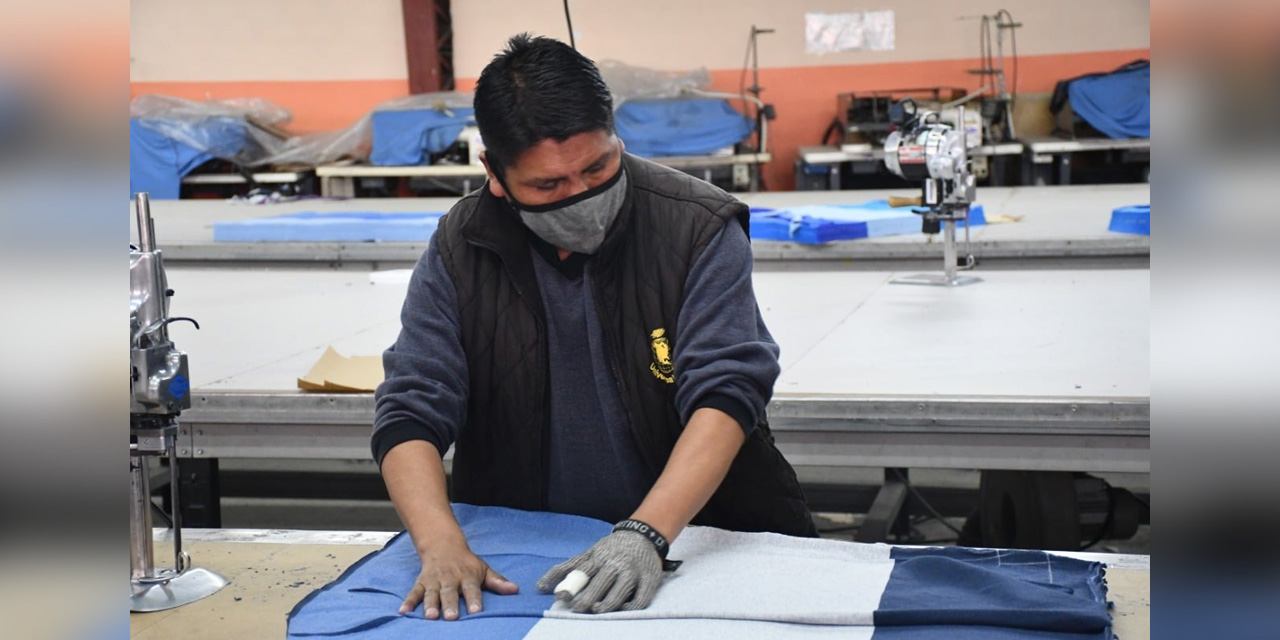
538,88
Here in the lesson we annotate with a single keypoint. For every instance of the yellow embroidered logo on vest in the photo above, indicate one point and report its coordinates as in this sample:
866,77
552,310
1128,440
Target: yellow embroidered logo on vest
661,367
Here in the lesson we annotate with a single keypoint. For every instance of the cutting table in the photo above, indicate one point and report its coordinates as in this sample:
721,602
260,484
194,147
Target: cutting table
1064,225
1033,370
271,570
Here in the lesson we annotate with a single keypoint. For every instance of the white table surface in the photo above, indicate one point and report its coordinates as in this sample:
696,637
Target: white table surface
1019,333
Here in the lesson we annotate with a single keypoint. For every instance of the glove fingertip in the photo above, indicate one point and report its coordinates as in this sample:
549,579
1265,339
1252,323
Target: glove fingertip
554,575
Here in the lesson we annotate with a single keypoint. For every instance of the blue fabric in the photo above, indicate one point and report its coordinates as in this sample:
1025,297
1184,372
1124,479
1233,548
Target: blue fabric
157,163
1031,590
680,127
1117,104
408,137
350,226
817,224
364,601
977,632
931,594
1134,219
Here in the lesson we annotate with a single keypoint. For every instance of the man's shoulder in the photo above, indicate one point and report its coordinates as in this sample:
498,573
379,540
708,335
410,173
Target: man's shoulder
460,213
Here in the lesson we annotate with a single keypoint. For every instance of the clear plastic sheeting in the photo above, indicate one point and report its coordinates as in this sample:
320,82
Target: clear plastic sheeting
441,101
627,82
356,141
859,31
168,107
323,147
202,124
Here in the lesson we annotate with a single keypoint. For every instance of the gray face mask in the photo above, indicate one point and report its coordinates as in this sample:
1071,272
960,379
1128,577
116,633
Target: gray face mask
577,223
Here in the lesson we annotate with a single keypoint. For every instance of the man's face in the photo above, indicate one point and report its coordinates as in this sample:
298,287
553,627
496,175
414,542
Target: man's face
554,170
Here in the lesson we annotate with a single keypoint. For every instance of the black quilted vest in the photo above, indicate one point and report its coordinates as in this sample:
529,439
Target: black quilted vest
666,221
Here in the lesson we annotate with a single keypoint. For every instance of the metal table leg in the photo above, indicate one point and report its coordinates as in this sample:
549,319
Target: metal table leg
887,514
1063,163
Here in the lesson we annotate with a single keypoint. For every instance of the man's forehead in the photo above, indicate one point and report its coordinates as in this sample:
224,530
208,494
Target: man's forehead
552,158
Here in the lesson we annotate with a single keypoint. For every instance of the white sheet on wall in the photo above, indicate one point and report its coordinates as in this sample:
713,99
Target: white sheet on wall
859,31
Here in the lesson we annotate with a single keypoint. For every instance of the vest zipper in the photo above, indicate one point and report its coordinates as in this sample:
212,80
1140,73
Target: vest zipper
546,378
614,354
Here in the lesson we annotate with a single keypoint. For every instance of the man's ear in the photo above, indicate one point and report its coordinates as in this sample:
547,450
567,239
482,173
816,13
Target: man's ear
495,187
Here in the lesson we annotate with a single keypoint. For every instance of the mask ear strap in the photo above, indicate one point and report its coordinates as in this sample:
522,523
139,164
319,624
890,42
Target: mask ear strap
510,199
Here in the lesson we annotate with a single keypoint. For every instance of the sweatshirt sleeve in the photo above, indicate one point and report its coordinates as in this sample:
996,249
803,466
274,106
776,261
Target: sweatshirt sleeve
724,355
424,393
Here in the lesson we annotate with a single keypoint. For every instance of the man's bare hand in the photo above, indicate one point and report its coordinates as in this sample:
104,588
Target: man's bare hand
450,571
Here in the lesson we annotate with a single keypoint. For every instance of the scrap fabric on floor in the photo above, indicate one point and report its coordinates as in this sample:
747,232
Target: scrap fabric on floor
732,585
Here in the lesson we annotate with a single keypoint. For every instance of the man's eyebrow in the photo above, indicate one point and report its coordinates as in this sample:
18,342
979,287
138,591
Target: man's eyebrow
599,162
604,158
542,181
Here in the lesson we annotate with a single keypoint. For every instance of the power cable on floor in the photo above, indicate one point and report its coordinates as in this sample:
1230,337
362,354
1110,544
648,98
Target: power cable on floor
925,503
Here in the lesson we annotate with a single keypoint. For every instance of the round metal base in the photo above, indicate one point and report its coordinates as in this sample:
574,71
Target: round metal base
191,585
935,280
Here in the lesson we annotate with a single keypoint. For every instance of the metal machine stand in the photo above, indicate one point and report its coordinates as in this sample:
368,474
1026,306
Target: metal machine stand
949,276
938,155
159,390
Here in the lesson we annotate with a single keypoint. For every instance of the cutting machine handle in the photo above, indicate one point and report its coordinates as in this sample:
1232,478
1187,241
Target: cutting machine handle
904,201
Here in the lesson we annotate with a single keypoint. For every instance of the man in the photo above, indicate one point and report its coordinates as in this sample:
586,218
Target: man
584,330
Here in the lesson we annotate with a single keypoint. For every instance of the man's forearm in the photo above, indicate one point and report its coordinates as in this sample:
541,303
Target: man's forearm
414,474
697,466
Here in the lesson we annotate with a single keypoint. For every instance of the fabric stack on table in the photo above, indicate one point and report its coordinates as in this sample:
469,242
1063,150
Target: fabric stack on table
811,224
1135,219
349,226
732,585
818,224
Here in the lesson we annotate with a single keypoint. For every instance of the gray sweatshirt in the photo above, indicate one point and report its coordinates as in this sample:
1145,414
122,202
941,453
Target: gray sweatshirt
724,358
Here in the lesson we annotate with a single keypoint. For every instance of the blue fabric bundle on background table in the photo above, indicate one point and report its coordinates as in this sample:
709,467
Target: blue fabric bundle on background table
157,163
680,127
409,137
1118,103
742,586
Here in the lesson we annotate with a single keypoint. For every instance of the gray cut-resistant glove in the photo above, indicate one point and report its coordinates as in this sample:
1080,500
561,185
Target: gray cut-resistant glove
625,569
